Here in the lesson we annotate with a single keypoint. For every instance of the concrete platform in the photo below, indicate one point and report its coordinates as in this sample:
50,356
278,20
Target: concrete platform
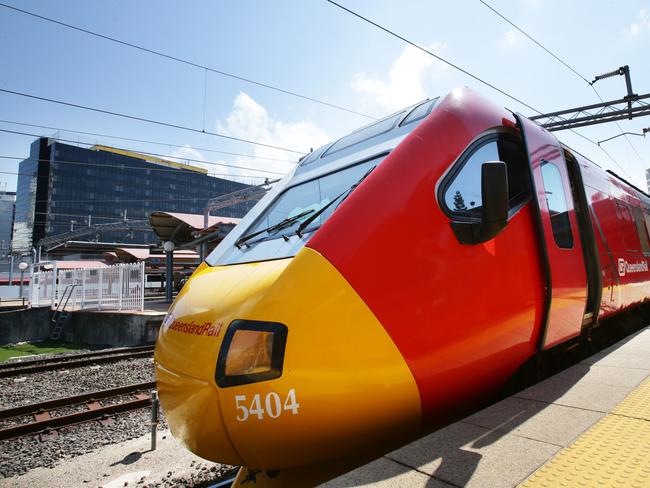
93,327
586,426
130,463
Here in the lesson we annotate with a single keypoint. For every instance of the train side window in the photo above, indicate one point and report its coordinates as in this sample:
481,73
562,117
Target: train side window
462,195
557,205
627,225
641,229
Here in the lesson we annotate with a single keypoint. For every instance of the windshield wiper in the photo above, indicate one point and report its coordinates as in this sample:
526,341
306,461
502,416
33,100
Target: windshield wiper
280,225
347,192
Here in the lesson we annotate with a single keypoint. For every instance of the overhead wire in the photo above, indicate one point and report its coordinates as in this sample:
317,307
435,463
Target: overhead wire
211,163
145,141
621,130
533,39
455,66
185,61
147,120
115,200
574,71
97,165
430,53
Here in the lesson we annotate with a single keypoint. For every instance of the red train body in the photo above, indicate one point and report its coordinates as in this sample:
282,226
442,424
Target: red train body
465,317
477,243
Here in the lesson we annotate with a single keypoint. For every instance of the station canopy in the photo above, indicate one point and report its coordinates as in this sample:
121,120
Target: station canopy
136,254
86,249
183,229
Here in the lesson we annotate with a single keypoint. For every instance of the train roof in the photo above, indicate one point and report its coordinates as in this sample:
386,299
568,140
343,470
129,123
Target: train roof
377,137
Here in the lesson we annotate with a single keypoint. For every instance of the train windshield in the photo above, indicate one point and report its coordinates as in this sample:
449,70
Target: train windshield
302,202
284,227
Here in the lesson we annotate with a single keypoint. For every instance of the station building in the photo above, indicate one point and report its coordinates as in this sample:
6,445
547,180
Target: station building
62,187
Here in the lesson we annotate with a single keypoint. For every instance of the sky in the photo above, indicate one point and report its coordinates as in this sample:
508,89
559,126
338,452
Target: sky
314,49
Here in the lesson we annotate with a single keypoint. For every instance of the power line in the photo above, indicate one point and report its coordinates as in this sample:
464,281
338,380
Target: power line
117,166
185,61
211,163
143,119
574,71
158,143
462,70
77,215
235,192
621,131
417,46
532,39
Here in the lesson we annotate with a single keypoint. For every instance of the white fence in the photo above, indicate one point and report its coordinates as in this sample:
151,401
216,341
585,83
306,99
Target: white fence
118,287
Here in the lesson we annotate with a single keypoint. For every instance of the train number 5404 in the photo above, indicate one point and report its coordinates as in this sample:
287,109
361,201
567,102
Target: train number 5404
273,407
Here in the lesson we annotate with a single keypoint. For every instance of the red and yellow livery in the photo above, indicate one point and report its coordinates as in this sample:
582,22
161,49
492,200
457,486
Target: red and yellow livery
394,281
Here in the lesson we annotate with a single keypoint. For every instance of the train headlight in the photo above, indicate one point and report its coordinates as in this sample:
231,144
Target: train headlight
251,351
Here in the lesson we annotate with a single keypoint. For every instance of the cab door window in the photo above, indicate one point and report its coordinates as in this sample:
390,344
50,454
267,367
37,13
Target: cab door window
462,188
557,205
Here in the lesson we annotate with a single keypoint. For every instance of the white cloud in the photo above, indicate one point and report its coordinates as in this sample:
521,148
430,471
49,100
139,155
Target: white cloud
641,25
406,78
188,152
250,120
189,155
511,38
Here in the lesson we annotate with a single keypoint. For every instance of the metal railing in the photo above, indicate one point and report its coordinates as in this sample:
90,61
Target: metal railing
118,287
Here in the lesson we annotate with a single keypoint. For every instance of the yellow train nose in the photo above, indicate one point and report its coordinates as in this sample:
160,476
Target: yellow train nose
193,413
300,370
187,351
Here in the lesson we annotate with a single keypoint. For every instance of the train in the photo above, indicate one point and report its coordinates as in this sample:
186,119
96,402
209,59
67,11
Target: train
397,278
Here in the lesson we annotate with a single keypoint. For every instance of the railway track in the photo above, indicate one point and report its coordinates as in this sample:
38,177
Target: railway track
224,483
89,409
74,360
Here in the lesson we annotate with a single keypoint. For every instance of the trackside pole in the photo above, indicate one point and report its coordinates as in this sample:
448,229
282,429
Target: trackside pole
154,418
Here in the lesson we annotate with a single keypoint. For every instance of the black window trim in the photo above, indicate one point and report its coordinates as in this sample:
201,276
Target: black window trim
280,332
514,206
398,116
432,101
543,163
382,154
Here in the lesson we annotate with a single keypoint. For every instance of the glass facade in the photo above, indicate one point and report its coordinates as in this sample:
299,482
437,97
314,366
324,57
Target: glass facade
81,186
7,203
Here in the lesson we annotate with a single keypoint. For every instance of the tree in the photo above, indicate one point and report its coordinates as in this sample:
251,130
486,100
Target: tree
459,201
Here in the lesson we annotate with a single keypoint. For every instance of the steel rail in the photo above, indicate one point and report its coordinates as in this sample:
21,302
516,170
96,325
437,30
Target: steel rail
74,400
222,483
78,417
73,364
71,357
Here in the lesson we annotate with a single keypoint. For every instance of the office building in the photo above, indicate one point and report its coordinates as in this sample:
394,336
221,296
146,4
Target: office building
7,210
63,187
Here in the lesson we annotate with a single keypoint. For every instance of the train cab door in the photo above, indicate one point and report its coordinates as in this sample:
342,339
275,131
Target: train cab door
559,236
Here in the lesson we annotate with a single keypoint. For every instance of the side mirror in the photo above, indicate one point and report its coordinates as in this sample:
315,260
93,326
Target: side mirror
494,193
494,212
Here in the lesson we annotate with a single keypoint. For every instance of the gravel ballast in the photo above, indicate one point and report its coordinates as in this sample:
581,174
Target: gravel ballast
45,453
129,463
47,385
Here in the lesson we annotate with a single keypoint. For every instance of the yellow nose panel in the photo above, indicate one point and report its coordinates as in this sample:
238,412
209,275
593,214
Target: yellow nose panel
344,385
344,388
